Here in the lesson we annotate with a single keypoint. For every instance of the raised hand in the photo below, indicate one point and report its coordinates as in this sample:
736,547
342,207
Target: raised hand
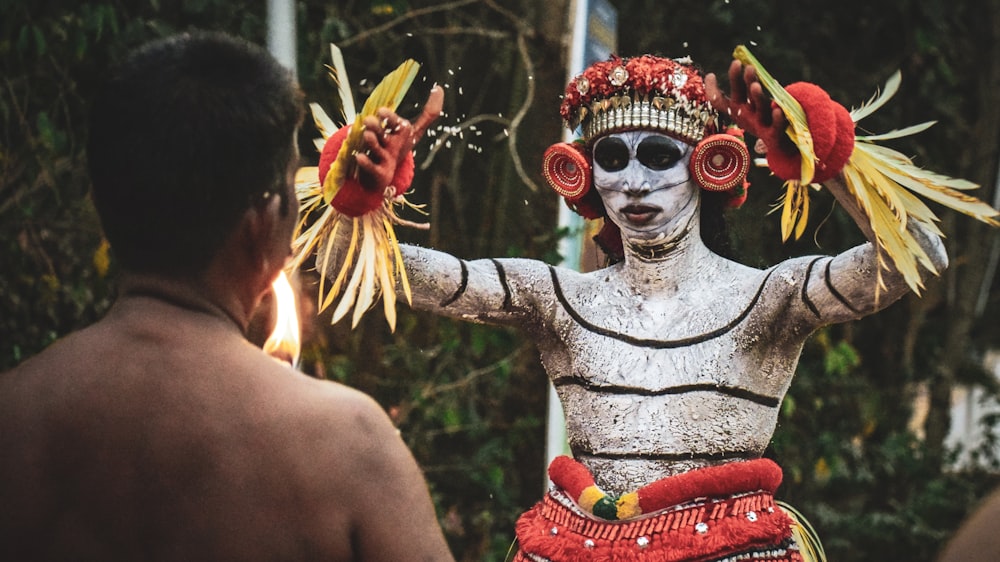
749,107
388,140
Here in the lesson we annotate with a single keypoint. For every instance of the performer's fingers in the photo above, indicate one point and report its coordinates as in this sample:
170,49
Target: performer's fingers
373,174
737,84
372,140
751,88
714,94
389,120
778,119
760,104
368,163
364,162
432,110
374,129
395,130
379,153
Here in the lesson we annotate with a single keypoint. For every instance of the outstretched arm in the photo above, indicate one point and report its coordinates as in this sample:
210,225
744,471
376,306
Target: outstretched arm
484,290
496,291
846,286
849,281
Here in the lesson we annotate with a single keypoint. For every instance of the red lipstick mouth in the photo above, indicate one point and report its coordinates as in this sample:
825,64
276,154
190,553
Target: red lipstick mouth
639,214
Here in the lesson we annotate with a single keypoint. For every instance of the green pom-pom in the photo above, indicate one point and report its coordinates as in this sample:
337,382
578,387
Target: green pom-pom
606,508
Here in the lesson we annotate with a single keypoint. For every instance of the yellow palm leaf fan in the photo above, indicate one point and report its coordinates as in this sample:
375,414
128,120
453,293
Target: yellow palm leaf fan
885,184
370,258
795,208
389,93
798,125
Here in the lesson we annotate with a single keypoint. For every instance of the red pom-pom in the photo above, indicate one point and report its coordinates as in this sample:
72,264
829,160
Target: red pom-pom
786,165
353,199
819,113
825,125
842,149
404,174
330,150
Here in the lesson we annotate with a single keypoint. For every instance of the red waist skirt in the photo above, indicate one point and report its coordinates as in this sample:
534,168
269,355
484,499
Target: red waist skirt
727,513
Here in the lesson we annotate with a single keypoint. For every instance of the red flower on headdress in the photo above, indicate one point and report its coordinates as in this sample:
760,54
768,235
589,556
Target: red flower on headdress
647,76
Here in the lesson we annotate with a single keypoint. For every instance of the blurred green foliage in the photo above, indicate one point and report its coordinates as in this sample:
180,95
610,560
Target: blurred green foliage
56,271
470,399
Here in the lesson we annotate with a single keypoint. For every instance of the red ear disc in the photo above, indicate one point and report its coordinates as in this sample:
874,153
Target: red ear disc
567,170
720,162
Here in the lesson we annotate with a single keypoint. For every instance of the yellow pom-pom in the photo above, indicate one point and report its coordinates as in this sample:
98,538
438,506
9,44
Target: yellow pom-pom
589,496
628,506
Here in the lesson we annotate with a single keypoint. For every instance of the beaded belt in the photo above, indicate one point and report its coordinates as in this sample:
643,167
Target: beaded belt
741,525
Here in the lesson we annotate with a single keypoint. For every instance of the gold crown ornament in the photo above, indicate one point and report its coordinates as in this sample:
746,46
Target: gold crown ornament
646,92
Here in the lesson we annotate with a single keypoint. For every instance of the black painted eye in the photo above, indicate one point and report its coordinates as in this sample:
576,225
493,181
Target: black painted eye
611,154
658,153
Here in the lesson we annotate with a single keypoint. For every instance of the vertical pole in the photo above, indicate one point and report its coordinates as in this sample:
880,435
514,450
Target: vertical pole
593,36
281,32
570,245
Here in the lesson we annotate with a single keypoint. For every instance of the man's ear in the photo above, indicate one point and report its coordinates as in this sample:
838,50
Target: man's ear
259,230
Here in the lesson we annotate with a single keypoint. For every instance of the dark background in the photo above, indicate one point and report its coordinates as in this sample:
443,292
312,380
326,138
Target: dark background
470,400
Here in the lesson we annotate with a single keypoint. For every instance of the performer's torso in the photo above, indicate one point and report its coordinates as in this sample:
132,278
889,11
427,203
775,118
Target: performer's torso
653,387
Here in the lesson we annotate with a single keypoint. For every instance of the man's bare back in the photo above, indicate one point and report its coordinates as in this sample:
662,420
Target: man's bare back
161,433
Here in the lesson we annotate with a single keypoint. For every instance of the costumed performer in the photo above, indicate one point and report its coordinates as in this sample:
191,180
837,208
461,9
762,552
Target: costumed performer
671,363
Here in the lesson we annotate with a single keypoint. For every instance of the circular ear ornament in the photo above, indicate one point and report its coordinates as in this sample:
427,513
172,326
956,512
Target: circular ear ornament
566,168
720,162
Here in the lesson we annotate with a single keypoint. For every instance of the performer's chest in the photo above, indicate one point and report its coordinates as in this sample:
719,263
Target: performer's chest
615,339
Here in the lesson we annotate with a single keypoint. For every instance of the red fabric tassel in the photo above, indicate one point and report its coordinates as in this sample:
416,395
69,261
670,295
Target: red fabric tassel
609,239
570,475
738,196
715,481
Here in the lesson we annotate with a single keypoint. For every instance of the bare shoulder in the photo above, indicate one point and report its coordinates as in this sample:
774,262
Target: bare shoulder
363,465
352,415
345,431
788,276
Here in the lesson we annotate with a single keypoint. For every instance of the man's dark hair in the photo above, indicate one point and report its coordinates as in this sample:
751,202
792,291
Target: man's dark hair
185,135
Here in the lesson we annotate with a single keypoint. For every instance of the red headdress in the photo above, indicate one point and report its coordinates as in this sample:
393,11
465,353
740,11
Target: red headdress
646,93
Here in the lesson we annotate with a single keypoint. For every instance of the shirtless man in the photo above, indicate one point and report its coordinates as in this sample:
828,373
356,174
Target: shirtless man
160,433
671,364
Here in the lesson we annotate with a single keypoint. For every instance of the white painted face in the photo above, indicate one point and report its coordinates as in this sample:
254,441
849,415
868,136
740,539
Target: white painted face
644,180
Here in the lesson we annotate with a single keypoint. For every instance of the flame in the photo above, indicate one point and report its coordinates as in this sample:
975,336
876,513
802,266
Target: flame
284,343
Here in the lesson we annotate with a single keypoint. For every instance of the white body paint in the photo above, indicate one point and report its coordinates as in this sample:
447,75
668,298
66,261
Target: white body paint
670,364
